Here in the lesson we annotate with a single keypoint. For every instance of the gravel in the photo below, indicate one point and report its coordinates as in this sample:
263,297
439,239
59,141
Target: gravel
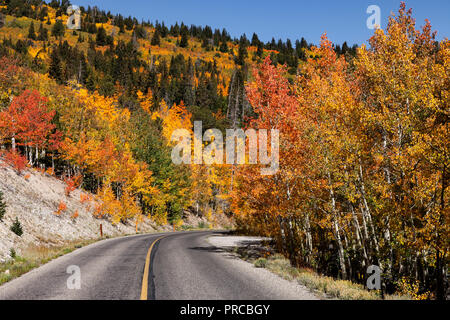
271,284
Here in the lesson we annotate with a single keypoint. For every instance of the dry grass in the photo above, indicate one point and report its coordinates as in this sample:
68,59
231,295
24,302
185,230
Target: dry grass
326,286
35,256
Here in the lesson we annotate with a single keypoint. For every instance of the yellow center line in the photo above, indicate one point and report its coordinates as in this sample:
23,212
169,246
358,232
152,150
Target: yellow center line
144,291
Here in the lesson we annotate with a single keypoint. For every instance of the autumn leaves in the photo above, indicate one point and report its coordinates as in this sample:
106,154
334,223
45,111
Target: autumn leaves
28,123
363,158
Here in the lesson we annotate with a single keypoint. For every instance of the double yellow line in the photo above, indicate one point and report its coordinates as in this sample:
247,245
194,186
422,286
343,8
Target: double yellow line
144,291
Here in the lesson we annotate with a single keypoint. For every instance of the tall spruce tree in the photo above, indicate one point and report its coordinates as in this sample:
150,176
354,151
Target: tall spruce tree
184,43
156,39
101,36
58,29
43,33
55,70
31,32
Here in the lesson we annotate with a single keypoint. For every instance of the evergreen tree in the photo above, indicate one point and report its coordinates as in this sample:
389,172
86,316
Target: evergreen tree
156,40
17,227
101,37
345,48
242,51
31,32
260,49
43,33
224,47
55,70
58,29
184,37
2,207
2,20
255,40
184,43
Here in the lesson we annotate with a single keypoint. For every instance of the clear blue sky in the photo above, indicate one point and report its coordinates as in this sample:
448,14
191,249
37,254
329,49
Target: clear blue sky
343,20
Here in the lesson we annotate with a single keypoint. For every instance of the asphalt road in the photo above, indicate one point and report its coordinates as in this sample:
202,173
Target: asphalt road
178,266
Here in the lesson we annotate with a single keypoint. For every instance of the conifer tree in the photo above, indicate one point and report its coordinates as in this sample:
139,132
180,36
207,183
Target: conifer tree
156,40
224,47
58,29
31,32
17,227
2,207
184,43
55,70
43,33
101,37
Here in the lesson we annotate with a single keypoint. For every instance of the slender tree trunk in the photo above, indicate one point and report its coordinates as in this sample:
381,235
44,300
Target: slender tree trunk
359,240
336,229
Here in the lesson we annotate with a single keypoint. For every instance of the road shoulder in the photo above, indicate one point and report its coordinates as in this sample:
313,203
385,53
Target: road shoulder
251,247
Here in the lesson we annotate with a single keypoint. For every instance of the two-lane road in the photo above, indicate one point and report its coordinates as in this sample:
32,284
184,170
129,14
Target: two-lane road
180,266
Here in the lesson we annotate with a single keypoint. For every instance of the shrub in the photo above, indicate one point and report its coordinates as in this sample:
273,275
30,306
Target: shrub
261,263
61,208
75,215
72,184
17,227
16,160
12,253
2,207
203,225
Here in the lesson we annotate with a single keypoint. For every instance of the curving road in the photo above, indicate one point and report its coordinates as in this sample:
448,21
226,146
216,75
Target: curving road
171,266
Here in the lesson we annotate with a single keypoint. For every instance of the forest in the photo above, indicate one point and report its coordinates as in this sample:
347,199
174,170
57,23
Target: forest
364,132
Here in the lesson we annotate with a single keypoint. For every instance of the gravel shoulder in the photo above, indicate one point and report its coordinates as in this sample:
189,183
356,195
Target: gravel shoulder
277,287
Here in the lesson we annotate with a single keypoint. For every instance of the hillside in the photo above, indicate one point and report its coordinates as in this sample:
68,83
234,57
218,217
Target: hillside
358,136
35,197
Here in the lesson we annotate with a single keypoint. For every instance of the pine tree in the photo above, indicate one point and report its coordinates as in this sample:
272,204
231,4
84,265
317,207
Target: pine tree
55,70
2,207
58,29
31,32
260,49
101,37
224,47
156,40
184,43
17,227
242,52
43,33
255,40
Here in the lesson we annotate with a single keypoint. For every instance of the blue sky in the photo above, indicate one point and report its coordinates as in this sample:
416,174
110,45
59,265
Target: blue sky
343,20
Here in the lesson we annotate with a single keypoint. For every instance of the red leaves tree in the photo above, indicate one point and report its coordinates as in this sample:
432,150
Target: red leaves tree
28,122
